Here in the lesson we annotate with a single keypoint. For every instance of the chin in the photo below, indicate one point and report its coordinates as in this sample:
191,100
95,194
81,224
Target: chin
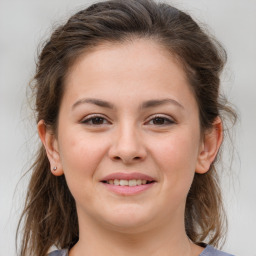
128,219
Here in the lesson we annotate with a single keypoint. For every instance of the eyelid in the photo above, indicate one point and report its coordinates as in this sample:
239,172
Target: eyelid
163,116
85,120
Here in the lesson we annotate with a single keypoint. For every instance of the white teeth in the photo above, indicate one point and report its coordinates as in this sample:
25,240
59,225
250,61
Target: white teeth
124,182
138,182
130,183
116,182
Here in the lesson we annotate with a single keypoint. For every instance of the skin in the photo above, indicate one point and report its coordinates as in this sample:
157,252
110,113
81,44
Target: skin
129,138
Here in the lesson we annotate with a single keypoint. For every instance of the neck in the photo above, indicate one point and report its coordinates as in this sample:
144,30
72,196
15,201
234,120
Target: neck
168,239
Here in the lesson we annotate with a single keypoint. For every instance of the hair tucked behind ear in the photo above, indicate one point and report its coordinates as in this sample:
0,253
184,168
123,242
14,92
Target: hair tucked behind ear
49,216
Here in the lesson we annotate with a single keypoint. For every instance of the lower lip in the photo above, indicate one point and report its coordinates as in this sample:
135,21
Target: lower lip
127,190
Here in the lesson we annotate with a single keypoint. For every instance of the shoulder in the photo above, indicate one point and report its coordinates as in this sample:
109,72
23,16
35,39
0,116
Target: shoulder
63,252
210,251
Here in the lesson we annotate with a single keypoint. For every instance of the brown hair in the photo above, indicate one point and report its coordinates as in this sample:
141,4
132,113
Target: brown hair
49,215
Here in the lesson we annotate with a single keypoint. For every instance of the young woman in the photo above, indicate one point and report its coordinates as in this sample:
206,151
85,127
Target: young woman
131,123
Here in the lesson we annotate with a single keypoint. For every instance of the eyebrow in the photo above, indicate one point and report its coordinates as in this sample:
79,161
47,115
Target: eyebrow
98,102
155,103
146,104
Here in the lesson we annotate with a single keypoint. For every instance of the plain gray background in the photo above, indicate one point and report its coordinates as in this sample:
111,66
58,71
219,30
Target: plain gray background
25,23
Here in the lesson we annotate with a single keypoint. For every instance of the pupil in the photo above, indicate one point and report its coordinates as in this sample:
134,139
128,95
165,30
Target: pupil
158,120
97,120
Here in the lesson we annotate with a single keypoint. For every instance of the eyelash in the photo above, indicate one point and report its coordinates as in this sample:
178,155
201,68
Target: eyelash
168,121
90,119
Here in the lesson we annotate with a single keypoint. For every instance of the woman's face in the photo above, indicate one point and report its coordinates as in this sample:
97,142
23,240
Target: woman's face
128,116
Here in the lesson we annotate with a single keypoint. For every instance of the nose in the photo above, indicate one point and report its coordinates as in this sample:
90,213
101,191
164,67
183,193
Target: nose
127,145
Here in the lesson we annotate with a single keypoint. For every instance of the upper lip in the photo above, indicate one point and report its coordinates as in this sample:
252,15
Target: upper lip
128,176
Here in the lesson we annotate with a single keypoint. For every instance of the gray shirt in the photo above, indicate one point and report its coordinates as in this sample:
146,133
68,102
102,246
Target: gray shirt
208,251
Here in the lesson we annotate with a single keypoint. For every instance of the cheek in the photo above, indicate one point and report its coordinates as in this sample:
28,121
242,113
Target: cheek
177,150
80,156
176,156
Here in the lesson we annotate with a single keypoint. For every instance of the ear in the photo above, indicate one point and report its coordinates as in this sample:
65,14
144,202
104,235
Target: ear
51,146
210,146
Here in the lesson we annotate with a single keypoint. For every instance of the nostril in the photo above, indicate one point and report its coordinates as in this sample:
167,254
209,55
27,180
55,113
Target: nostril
119,158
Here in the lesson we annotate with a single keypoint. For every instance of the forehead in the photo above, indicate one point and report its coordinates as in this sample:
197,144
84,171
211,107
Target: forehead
141,65
141,50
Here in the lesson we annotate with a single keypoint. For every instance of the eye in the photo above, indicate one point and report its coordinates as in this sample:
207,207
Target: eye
160,121
95,120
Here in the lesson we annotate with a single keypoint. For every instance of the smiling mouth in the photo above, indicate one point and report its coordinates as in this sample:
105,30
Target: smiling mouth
130,183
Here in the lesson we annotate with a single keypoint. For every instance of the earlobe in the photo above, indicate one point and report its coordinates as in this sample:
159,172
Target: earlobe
51,146
210,146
